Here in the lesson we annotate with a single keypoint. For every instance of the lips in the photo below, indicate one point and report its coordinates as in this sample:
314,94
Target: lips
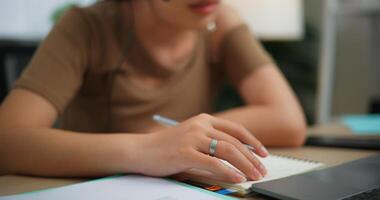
204,7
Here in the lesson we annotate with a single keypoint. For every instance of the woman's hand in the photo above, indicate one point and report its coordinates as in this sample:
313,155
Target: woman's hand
186,147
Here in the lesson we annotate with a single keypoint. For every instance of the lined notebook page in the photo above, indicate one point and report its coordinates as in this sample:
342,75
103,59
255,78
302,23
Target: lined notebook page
280,167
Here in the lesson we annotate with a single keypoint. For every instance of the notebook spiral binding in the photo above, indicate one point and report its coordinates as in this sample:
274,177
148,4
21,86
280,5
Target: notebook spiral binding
298,159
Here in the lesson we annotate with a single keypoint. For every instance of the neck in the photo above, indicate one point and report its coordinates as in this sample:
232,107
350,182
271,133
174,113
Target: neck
147,21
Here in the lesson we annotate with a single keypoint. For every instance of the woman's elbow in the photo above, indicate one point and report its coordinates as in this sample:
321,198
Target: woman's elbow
295,133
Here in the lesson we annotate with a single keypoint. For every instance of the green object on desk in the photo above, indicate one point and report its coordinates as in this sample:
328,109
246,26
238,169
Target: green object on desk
363,124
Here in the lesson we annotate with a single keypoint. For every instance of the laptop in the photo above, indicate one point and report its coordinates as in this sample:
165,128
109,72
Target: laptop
359,179
344,142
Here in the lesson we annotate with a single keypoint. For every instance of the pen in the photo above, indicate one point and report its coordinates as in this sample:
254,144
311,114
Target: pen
170,122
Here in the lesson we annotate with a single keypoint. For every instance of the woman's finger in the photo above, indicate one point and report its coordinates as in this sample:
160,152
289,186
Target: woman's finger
240,133
228,152
218,135
215,166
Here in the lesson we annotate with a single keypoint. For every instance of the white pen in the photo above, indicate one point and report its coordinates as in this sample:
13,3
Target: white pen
170,122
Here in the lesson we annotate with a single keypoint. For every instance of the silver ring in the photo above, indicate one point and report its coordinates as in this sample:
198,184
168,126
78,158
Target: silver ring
212,149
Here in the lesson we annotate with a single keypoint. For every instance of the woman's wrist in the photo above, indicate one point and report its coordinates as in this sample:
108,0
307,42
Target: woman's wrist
134,152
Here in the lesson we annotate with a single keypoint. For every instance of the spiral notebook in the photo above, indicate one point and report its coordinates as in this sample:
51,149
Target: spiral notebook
277,167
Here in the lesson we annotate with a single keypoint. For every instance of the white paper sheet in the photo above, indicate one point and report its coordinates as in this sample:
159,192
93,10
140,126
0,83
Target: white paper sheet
121,188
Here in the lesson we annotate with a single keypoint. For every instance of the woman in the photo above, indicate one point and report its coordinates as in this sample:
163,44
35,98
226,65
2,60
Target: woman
109,67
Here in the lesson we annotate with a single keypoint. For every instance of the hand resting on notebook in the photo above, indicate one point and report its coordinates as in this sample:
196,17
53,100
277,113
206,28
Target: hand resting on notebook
188,150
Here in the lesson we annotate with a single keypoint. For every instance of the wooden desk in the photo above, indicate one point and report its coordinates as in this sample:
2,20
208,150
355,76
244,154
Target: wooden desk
13,184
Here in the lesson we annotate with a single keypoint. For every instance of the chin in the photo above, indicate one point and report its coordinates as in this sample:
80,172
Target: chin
203,23
194,22
196,26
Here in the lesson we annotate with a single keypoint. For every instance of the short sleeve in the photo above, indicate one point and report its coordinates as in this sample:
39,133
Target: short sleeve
242,53
56,69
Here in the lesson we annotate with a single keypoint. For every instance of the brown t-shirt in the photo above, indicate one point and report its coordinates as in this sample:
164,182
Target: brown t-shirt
87,64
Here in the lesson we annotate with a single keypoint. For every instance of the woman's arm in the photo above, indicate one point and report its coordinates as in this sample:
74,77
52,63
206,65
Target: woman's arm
272,113
29,146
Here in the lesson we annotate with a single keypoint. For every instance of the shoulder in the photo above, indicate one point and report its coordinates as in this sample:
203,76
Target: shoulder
104,9
98,14
96,28
102,12
227,20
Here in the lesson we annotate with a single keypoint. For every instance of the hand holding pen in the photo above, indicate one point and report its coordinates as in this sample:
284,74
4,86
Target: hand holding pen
221,139
170,122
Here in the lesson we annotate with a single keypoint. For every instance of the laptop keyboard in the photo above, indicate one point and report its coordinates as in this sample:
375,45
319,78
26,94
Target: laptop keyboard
372,194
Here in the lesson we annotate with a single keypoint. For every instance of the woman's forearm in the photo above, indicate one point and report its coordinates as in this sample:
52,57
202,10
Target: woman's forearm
52,152
272,126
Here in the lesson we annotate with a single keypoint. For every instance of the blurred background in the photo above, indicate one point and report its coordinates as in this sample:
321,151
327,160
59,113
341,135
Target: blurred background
328,49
